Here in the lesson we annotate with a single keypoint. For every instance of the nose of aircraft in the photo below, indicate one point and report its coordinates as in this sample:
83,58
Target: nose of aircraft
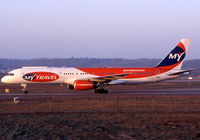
4,79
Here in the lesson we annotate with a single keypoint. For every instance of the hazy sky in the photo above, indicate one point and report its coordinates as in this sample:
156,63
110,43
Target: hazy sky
97,28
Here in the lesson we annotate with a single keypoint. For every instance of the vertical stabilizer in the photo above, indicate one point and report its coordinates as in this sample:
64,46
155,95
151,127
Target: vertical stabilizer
175,58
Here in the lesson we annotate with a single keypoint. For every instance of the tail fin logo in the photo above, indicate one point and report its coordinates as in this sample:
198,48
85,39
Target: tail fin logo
176,56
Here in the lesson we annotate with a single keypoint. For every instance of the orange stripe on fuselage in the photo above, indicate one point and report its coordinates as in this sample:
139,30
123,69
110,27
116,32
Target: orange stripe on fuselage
137,72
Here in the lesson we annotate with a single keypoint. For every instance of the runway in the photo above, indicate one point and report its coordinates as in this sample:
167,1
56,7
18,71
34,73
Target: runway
134,92
127,98
168,91
181,88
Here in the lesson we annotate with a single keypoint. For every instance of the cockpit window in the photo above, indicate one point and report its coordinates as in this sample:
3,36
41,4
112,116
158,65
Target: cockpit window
11,74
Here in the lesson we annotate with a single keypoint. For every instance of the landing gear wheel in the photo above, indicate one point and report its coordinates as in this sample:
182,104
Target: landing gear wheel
25,92
101,91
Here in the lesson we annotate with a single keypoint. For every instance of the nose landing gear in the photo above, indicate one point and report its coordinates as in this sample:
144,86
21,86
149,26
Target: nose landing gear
24,88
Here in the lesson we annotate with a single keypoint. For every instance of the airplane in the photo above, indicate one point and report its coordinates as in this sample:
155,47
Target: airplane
97,78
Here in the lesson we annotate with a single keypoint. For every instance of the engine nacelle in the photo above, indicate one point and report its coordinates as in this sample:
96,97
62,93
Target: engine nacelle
84,85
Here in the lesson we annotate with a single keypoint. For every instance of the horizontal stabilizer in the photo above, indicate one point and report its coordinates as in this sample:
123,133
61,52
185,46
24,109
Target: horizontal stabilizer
180,72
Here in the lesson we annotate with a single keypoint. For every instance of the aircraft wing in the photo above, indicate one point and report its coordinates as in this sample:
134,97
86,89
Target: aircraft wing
180,72
108,78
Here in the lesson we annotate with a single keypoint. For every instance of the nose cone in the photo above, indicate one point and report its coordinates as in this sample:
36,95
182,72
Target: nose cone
4,79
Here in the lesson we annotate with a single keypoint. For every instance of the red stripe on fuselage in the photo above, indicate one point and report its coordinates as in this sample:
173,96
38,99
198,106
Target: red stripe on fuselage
136,72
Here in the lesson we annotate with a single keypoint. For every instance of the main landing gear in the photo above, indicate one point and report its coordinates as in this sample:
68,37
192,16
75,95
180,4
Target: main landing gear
100,91
24,88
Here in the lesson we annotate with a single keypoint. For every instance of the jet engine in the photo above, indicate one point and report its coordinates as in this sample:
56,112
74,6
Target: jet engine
84,85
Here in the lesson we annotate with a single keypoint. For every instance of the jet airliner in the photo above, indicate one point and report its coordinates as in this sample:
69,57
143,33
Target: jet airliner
96,78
